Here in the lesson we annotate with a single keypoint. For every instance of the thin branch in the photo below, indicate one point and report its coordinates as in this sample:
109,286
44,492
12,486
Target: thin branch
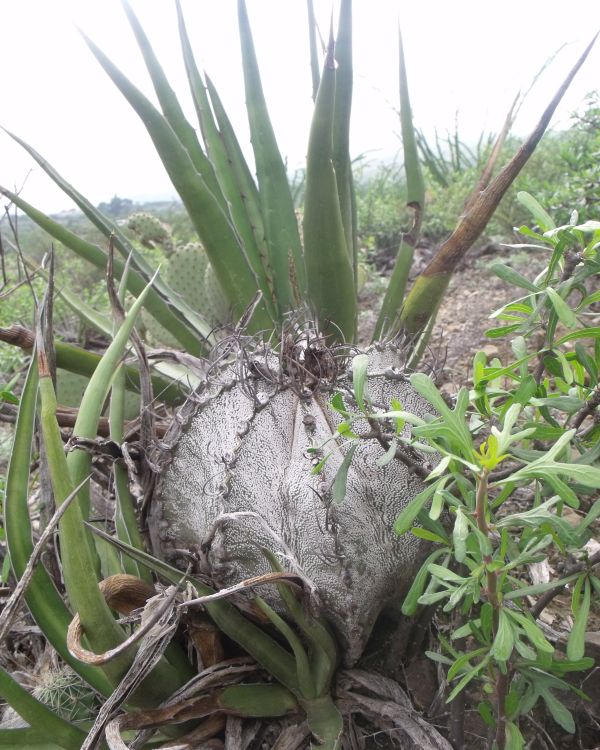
545,599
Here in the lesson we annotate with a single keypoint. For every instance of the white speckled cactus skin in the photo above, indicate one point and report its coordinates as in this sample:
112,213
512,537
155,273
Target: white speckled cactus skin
235,452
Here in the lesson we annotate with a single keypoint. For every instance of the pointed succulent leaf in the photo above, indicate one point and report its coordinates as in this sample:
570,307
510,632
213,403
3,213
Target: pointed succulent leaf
329,270
281,225
210,221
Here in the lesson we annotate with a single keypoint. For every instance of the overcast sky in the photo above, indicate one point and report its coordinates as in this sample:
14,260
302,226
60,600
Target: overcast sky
465,57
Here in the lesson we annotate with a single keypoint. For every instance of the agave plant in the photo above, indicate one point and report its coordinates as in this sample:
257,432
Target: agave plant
254,487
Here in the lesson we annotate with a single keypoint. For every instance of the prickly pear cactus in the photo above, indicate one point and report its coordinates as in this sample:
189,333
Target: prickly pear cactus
151,231
237,478
187,271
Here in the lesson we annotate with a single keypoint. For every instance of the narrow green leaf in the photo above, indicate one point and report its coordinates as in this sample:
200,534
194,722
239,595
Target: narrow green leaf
538,588
360,364
445,574
407,517
410,603
341,478
576,641
541,217
459,535
566,316
514,738
463,661
504,639
533,632
467,678
508,274
582,333
560,713
388,456
412,164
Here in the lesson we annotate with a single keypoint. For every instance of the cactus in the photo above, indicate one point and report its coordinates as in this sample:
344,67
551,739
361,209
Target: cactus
186,270
68,695
252,432
70,388
151,231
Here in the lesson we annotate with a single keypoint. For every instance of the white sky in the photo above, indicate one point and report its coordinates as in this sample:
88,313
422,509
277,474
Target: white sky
465,56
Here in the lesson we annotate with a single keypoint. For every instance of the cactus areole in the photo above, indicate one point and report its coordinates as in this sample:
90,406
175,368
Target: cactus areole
238,477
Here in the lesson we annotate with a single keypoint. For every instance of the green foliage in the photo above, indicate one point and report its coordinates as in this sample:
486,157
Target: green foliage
250,251
527,429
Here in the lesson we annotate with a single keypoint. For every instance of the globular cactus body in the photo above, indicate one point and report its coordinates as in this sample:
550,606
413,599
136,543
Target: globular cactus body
242,447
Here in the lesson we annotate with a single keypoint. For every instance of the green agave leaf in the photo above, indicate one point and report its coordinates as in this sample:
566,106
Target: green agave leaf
30,739
396,289
268,652
248,192
126,522
206,214
257,700
276,201
412,164
388,321
341,130
40,718
78,556
329,271
172,109
323,650
230,169
314,58
306,687
44,601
